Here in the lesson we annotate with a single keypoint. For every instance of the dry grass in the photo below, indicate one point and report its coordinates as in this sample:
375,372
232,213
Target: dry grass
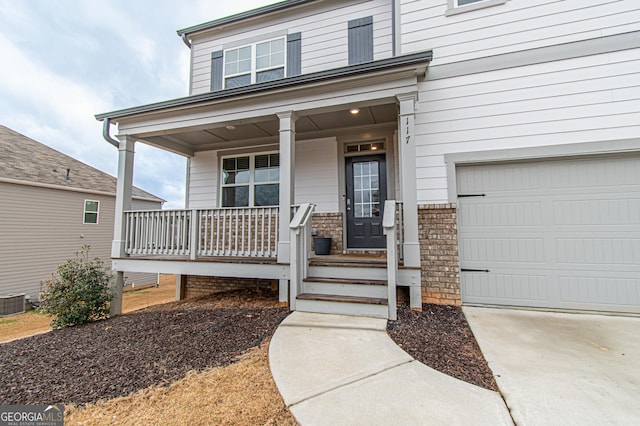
240,394
30,323
23,325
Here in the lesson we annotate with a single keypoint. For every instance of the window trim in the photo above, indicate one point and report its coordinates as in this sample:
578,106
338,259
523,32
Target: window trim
254,70
97,213
454,9
251,183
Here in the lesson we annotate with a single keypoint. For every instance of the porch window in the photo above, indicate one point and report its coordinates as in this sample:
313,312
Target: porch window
251,180
255,63
91,209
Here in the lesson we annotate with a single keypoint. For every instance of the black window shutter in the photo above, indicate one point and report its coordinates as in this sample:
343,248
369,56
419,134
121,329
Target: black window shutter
216,70
361,40
294,53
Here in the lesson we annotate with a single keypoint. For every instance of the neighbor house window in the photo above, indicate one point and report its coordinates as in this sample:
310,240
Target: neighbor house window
251,180
91,209
459,6
255,63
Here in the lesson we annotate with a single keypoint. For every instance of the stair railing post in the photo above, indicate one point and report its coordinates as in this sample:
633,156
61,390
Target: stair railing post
389,229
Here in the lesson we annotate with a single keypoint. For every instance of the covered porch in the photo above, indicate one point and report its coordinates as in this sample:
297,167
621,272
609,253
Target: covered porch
264,164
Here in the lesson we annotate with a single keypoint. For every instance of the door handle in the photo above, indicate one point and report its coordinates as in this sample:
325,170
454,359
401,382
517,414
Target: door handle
348,204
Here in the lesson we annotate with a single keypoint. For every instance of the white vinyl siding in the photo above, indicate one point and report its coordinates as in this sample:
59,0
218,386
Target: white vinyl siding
203,182
316,173
588,99
323,32
513,26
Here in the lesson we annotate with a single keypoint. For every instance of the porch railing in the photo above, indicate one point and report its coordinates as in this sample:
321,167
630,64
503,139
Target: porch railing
300,239
246,232
158,232
389,226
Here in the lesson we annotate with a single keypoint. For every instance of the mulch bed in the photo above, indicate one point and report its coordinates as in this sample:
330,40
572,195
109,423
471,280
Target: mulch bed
159,345
440,337
115,357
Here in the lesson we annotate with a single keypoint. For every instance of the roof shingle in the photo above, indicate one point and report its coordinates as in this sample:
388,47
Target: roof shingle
24,159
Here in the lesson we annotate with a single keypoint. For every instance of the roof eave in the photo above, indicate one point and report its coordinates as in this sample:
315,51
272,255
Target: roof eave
420,58
254,13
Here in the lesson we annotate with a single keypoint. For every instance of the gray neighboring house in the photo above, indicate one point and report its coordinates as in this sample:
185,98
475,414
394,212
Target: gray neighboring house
51,205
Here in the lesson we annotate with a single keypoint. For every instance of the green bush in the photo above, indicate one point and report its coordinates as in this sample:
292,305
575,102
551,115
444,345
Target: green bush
78,292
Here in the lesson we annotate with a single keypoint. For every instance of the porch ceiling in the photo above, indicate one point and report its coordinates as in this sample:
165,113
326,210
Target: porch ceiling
265,129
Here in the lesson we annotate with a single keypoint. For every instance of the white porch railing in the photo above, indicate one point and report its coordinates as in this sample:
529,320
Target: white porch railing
389,228
158,232
300,250
242,232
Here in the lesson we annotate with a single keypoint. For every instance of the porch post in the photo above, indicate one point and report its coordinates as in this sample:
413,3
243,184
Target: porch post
408,188
287,193
123,202
287,190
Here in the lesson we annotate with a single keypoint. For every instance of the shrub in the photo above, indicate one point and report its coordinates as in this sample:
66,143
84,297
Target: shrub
78,292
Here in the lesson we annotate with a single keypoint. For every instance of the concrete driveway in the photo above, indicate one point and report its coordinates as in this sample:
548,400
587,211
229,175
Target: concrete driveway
562,369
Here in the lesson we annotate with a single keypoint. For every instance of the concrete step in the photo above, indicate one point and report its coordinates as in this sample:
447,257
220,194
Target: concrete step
348,272
342,305
345,287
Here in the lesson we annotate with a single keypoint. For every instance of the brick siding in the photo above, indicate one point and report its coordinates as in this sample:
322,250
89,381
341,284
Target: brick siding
438,236
198,285
329,225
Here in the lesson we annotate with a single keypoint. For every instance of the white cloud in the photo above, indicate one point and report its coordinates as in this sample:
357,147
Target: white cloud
70,59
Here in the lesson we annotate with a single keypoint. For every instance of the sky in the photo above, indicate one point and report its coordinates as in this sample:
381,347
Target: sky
63,61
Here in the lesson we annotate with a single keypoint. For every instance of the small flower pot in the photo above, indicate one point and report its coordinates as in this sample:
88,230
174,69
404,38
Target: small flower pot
322,246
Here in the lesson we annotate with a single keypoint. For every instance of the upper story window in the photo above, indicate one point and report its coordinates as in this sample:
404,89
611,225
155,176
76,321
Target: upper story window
259,62
251,180
459,6
91,209
255,63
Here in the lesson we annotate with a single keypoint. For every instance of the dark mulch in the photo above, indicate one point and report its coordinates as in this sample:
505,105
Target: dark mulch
121,355
440,337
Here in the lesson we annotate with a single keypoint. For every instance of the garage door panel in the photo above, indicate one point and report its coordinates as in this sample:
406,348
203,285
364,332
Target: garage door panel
565,234
506,287
504,177
599,289
607,211
501,214
614,172
506,249
598,251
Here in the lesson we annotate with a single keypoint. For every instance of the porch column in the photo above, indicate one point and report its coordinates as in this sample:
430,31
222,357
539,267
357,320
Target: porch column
287,180
123,203
408,189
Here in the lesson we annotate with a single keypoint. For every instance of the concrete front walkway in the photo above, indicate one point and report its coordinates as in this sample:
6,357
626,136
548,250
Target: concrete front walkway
340,370
562,369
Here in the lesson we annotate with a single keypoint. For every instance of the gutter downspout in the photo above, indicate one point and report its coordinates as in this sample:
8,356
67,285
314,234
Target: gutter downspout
395,24
185,40
106,126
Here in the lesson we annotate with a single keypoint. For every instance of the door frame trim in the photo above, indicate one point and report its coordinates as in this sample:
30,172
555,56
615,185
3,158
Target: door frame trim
388,137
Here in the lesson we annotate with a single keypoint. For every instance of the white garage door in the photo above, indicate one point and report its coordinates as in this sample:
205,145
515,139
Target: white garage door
558,234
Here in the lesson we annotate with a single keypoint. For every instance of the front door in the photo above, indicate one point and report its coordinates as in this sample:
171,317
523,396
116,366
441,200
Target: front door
366,193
